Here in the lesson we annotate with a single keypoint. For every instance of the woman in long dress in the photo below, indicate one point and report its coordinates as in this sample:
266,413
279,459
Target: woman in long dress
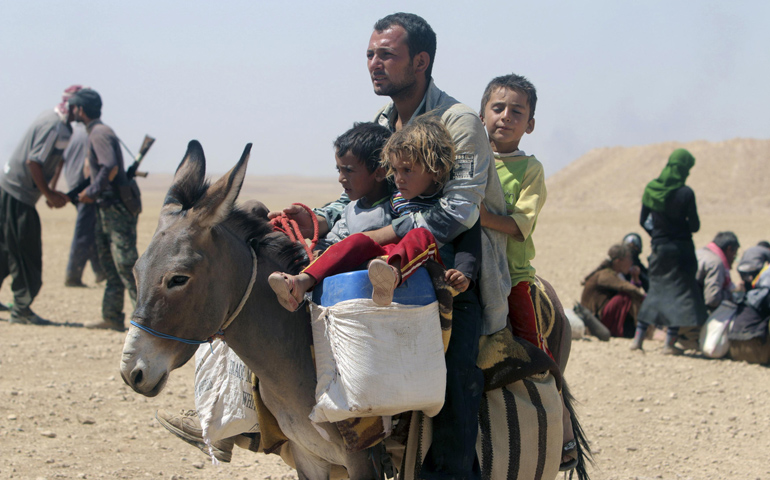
670,216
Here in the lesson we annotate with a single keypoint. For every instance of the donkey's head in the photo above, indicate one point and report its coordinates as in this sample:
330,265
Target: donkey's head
191,277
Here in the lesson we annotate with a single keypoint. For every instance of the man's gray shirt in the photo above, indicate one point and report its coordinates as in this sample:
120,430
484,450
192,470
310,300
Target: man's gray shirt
75,156
474,180
43,143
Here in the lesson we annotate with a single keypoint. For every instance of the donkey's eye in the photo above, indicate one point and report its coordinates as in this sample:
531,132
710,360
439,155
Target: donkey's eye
177,281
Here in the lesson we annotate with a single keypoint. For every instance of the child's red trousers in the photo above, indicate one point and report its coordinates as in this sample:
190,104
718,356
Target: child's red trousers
417,247
521,314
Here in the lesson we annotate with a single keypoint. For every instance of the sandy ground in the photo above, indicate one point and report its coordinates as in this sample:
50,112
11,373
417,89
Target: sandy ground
66,413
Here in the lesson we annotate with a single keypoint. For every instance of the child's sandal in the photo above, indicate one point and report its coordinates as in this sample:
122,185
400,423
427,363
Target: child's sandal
385,279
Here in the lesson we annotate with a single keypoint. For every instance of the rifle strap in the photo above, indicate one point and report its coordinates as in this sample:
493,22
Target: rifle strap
127,149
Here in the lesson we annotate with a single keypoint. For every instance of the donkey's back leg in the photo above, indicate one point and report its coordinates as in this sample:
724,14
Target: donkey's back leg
360,466
311,467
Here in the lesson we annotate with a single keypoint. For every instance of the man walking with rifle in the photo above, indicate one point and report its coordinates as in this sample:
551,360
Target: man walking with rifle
118,206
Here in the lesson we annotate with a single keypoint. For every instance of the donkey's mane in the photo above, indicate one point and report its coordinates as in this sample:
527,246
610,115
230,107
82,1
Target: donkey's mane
290,255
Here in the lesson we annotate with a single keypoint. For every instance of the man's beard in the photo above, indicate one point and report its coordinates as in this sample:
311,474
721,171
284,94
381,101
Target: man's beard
396,89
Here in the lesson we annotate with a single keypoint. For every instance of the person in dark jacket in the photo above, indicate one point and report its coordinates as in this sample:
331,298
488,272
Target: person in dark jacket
115,224
748,333
83,248
634,242
669,214
753,260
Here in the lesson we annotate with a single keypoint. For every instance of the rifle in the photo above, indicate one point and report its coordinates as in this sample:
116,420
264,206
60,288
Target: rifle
132,170
130,173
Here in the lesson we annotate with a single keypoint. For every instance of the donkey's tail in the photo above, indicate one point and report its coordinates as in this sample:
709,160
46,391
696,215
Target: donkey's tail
584,454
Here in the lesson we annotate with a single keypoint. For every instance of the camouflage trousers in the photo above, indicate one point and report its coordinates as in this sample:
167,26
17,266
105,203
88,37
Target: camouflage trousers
116,246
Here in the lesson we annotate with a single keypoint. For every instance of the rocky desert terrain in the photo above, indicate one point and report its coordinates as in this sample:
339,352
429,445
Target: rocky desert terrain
66,413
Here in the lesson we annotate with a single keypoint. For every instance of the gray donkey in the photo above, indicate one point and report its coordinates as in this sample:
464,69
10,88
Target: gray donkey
205,274
193,277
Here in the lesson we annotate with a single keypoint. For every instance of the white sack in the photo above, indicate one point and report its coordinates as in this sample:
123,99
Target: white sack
223,396
578,327
373,360
713,337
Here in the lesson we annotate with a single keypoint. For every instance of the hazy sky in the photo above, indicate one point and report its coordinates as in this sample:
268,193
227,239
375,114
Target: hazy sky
291,76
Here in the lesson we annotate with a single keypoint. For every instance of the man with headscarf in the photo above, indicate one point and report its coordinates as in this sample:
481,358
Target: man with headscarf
670,216
23,180
115,224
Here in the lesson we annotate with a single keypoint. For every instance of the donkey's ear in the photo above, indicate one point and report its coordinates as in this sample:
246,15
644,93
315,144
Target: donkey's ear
189,178
220,197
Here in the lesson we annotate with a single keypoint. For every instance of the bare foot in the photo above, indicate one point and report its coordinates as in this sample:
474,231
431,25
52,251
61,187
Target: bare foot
290,289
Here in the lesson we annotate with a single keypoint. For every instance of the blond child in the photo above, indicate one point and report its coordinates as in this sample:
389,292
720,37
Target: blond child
419,159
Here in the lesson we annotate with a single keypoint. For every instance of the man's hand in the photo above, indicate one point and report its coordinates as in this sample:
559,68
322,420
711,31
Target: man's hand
83,198
457,280
56,199
484,215
53,198
303,219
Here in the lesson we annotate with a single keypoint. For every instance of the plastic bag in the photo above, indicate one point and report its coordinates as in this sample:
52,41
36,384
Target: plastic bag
223,395
713,336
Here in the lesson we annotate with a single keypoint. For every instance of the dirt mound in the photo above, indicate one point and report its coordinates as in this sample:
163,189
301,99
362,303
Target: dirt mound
727,176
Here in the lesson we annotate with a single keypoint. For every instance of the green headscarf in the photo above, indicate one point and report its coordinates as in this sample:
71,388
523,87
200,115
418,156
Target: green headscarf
672,177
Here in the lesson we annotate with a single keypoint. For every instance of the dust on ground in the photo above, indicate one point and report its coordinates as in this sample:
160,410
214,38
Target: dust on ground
66,413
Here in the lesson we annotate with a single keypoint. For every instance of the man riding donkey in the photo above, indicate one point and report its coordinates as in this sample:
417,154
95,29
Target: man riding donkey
400,59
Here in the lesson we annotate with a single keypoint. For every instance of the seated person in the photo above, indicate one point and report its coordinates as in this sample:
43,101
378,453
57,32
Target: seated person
749,330
752,261
714,263
610,297
634,242
419,158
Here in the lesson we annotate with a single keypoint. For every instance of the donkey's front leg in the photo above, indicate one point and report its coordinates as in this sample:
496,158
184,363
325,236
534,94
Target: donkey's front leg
309,466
